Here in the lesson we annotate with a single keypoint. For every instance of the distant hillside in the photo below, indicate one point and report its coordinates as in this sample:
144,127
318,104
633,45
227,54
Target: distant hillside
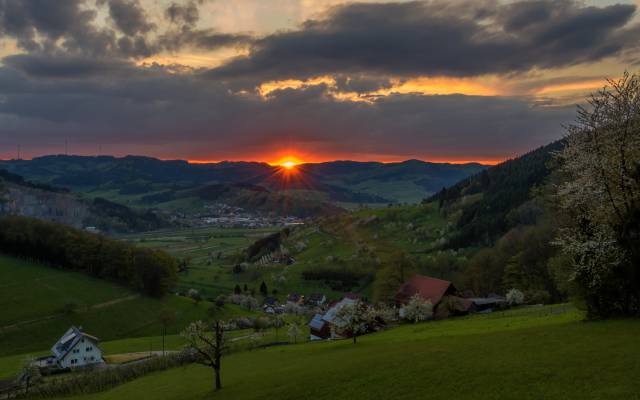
359,251
145,181
42,201
493,201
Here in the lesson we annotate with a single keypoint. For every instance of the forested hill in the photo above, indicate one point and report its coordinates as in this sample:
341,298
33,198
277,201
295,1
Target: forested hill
24,198
496,199
131,177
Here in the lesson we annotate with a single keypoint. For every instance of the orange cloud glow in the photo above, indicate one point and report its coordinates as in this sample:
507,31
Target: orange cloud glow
567,87
422,85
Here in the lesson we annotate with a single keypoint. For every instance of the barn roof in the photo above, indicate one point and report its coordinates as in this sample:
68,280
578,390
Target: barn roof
428,288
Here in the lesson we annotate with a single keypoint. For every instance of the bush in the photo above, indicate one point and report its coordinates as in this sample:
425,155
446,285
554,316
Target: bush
538,297
417,309
515,297
104,379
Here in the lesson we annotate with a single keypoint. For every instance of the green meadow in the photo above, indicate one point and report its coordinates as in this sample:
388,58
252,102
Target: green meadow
35,308
210,252
532,353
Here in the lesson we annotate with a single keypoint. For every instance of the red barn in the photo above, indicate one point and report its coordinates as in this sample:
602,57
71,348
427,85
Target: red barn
442,294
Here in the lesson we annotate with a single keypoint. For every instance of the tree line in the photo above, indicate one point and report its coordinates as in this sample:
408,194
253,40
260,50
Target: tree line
151,272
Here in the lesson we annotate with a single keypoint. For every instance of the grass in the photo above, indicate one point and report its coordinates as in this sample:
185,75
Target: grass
33,295
212,252
19,280
538,353
209,274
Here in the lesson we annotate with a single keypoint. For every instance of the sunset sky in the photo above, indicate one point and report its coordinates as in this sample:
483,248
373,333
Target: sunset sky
304,80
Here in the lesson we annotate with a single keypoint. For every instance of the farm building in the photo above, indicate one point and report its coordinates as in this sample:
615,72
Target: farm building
320,325
74,349
442,294
316,299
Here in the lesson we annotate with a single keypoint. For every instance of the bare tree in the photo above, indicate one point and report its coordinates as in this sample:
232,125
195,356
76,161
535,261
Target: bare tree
208,344
294,331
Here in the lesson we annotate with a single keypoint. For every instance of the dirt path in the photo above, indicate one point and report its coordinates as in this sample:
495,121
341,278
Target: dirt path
114,302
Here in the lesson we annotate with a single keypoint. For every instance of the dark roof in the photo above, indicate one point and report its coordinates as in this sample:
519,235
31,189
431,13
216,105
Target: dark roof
294,297
270,300
315,297
428,288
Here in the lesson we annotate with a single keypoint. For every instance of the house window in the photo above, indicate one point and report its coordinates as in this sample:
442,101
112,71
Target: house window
92,358
76,351
89,348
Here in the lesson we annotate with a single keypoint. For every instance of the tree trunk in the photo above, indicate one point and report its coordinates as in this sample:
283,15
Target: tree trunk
218,381
354,339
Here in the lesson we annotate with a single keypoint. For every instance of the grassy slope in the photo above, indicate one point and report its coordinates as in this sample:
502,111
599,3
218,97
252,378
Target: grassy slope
414,229
32,295
540,353
211,276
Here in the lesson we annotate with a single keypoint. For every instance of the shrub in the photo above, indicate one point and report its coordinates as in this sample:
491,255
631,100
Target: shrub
515,297
103,379
417,309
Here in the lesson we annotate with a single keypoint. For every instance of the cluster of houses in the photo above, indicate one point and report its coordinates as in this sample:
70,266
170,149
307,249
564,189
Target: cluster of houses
272,306
447,301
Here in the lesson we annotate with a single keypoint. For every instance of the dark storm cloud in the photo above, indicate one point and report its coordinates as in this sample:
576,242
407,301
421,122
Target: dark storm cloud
441,38
27,19
361,83
79,80
185,17
187,14
64,66
128,16
196,118
57,26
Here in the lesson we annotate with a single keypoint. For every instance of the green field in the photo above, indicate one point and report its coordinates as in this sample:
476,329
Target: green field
33,298
533,353
211,254
331,243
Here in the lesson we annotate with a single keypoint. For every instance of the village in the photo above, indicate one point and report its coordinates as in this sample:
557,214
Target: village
221,215
421,298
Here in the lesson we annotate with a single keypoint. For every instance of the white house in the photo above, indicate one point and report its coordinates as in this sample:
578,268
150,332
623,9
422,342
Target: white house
77,349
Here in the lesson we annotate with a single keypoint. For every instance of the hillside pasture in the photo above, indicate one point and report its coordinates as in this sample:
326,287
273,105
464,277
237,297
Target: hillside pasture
531,353
34,315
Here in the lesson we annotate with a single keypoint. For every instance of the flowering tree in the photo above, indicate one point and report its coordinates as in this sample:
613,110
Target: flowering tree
353,319
417,309
515,297
601,199
208,344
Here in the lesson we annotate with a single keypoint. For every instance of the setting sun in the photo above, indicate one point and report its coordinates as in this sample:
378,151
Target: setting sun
289,164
